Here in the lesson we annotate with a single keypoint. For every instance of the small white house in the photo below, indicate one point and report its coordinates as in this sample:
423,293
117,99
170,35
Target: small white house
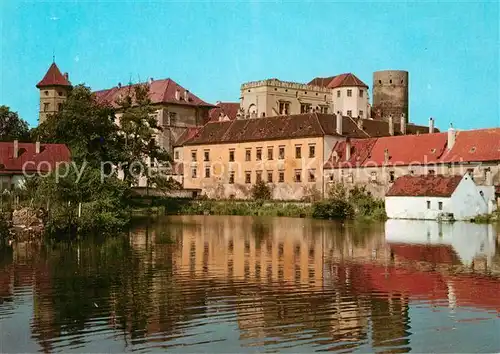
434,197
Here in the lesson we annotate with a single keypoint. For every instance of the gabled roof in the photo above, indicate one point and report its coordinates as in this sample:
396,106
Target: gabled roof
160,91
342,80
44,161
229,109
475,146
285,127
186,135
360,151
424,186
53,77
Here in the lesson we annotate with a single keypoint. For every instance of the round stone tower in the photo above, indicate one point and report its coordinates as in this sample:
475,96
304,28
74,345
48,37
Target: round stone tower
390,94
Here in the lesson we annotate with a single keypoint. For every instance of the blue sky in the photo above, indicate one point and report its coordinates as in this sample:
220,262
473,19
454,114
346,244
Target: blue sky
451,49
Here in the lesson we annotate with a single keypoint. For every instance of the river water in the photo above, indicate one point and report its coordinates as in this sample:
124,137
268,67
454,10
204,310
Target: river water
241,284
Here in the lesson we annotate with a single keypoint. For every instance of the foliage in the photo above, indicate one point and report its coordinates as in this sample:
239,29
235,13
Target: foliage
261,191
343,204
140,126
12,127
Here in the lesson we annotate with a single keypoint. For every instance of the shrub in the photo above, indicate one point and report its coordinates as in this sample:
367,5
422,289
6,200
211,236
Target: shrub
261,191
332,209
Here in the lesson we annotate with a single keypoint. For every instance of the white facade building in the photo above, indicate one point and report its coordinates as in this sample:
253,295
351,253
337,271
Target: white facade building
432,197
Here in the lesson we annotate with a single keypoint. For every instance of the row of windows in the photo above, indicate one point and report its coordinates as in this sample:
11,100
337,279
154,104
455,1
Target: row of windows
311,175
58,92
360,114
307,108
258,153
46,107
440,205
349,93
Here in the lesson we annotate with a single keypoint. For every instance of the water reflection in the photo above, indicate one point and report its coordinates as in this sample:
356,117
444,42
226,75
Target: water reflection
233,284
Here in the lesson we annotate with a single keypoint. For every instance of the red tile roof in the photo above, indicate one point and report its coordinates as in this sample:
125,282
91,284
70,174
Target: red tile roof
342,80
475,146
53,77
424,186
186,135
229,109
286,127
403,150
435,254
44,161
160,91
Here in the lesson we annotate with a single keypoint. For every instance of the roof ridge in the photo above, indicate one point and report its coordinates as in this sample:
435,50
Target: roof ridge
319,123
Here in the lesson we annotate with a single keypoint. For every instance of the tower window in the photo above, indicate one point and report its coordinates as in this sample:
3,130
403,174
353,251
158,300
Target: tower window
380,82
349,93
59,93
46,106
360,93
46,93
338,93
390,81
59,107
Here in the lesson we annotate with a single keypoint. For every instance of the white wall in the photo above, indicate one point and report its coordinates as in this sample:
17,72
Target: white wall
415,207
353,103
466,201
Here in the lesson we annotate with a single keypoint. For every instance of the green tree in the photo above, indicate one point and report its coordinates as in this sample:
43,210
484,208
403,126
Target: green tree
140,127
12,127
261,191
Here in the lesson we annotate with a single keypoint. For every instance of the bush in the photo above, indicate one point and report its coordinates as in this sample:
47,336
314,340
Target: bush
261,191
332,209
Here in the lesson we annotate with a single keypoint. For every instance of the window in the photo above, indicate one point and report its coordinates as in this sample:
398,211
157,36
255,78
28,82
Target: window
269,153
176,155
281,152
360,92
312,175
46,93
59,93
281,176
193,156
206,155
231,155
59,107
172,118
349,113
432,172
269,176
332,176
312,151
349,93
248,177
338,93
324,109
248,154
390,81
46,107
193,172
373,176
412,172
440,205
298,151
298,175
207,172
305,108
284,108
258,176
391,176
361,113
231,177
428,204
258,154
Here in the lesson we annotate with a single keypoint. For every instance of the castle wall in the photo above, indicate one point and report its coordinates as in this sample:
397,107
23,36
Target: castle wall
390,93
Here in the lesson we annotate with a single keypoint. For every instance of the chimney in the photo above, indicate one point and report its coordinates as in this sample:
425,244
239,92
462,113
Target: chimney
403,124
119,85
339,123
151,80
186,96
16,149
37,147
347,149
217,103
336,156
66,76
431,125
360,123
391,125
386,156
177,94
452,134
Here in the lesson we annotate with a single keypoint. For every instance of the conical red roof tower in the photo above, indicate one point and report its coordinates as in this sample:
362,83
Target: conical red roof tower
53,77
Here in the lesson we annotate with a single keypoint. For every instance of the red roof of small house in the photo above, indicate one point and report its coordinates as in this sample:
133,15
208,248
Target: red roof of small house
342,80
160,91
53,77
424,186
44,161
474,146
229,109
435,254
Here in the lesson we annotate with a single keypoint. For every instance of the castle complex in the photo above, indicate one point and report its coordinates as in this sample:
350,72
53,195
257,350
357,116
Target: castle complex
300,138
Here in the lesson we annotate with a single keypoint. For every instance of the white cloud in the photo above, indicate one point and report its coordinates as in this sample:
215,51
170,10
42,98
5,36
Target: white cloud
77,59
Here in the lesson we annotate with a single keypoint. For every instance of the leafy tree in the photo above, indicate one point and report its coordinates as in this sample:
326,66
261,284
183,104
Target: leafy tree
140,127
86,127
11,126
261,191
